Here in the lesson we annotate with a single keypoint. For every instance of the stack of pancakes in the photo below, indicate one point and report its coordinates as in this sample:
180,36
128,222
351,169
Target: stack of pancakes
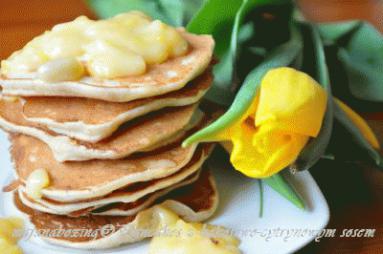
112,148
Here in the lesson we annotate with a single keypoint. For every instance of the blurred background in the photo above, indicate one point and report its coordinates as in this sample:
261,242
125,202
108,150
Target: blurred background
355,202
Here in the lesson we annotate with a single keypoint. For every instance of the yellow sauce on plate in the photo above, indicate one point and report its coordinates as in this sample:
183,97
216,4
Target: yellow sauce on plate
179,237
10,232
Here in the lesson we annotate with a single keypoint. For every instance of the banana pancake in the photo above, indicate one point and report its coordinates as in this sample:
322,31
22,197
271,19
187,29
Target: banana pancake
193,203
93,120
132,137
132,208
127,194
112,209
75,181
202,186
158,79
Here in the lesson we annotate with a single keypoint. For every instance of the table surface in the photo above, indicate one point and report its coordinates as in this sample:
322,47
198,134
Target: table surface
354,192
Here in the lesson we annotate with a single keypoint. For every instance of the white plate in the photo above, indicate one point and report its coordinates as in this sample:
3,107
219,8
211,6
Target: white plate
282,229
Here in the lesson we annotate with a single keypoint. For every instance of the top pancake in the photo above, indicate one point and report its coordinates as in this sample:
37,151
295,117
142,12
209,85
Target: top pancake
92,120
159,79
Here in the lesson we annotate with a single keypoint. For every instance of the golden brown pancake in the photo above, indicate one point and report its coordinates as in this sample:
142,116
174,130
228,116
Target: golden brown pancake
127,194
159,79
92,120
196,202
73,181
127,209
135,136
111,209
199,190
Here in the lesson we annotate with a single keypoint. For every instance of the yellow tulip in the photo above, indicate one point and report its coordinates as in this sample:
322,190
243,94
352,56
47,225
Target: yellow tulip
293,101
287,111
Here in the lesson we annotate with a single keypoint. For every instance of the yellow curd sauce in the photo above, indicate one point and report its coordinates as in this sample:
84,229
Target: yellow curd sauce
123,45
10,232
179,237
36,182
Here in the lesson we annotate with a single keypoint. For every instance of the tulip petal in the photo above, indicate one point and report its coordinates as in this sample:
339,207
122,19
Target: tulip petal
292,99
263,152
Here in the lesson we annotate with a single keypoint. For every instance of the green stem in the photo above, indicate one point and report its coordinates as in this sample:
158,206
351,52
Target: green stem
260,198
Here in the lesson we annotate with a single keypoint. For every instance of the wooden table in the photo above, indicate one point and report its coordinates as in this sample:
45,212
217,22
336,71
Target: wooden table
354,192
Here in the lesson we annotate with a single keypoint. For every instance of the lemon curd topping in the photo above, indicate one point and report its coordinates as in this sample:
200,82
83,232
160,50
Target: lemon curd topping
177,236
123,45
10,232
36,182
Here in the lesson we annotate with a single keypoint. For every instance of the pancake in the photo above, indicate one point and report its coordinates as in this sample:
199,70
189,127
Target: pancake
75,181
112,209
127,194
159,79
128,209
133,137
194,203
202,186
93,120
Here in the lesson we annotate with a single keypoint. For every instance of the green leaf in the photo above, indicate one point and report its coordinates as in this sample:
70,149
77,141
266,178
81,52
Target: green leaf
224,22
365,76
191,8
218,19
362,57
336,30
176,13
213,15
174,10
284,188
316,148
349,125
281,56
361,53
224,71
